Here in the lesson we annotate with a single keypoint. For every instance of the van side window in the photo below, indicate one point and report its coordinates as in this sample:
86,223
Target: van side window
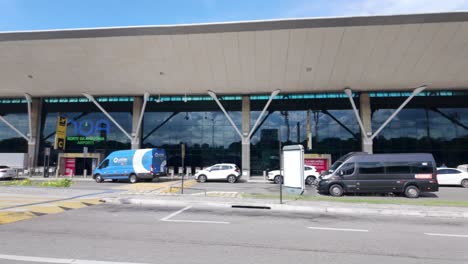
398,168
422,167
348,169
371,168
104,164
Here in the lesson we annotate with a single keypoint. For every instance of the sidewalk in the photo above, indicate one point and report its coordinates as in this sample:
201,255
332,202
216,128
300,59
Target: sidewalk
51,178
299,206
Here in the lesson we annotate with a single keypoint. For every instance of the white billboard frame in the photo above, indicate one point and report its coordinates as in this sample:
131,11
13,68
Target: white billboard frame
293,168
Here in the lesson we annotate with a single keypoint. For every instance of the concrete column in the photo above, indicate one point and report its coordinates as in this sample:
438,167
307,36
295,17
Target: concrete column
245,141
33,145
366,117
137,105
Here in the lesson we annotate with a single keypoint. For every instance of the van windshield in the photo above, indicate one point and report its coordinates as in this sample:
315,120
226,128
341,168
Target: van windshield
335,165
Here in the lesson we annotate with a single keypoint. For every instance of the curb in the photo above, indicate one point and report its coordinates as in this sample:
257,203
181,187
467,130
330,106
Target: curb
293,208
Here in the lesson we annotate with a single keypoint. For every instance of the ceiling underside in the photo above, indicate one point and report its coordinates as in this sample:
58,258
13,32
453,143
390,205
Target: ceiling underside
298,56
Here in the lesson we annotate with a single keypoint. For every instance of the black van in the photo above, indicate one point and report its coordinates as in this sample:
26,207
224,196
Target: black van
359,172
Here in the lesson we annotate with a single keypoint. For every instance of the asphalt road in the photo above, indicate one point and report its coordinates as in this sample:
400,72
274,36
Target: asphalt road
136,234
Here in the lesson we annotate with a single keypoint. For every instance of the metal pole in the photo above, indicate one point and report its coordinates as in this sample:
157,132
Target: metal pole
213,95
413,94
349,93
14,128
281,166
91,98
182,150
273,94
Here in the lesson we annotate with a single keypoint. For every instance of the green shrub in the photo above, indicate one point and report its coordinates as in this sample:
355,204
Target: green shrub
25,182
57,183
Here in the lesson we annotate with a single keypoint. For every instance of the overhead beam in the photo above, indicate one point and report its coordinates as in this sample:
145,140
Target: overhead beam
453,120
249,135
160,125
93,100
14,128
339,123
368,136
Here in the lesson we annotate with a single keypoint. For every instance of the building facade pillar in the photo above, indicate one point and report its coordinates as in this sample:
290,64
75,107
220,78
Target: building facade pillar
245,141
366,117
33,144
137,106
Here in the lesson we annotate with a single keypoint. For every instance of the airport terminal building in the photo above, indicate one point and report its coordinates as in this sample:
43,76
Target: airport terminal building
237,92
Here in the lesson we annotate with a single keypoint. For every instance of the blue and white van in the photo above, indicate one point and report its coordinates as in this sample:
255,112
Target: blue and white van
132,165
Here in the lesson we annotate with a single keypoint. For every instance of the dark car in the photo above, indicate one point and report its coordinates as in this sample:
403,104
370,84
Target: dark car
408,173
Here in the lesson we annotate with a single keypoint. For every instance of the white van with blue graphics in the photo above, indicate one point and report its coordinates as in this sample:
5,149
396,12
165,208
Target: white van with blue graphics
132,165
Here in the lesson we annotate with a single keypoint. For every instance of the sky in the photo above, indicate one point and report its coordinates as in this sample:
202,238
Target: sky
21,15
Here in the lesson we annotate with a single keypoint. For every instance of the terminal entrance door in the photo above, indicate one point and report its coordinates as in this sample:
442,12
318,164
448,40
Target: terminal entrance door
72,164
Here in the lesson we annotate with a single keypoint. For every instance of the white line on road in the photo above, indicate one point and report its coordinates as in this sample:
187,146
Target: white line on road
59,260
338,229
176,213
197,221
446,235
168,218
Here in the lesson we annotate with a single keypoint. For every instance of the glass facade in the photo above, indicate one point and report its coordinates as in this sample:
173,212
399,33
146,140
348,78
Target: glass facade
208,136
334,132
440,131
434,122
10,141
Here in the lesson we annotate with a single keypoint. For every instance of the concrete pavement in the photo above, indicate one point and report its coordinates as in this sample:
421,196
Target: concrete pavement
320,207
161,234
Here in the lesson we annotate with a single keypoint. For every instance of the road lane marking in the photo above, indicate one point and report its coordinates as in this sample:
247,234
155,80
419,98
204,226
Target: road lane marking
446,235
168,218
175,213
338,229
60,260
197,221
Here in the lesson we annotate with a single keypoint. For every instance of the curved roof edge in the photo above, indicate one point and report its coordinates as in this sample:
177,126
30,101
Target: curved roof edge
236,26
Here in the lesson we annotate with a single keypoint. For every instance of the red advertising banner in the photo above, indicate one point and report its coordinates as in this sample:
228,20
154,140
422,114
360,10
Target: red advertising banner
70,166
321,164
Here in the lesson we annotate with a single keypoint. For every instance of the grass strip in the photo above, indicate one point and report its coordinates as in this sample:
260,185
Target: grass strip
422,201
51,183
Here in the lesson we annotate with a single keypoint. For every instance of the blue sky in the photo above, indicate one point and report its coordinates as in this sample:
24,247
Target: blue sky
18,15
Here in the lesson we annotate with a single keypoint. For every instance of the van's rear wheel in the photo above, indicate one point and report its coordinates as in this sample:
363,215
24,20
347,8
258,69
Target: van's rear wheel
133,178
336,190
412,191
98,178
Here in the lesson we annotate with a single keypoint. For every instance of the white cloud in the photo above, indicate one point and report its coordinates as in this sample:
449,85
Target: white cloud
372,7
386,7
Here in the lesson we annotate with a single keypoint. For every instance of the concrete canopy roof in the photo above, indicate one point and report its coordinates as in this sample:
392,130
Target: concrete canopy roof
299,55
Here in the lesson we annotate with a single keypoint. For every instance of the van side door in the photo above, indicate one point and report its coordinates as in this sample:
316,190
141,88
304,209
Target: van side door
348,174
370,178
104,168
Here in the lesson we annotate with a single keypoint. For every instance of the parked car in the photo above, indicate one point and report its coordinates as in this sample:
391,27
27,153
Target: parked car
408,173
451,176
7,172
310,175
224,171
